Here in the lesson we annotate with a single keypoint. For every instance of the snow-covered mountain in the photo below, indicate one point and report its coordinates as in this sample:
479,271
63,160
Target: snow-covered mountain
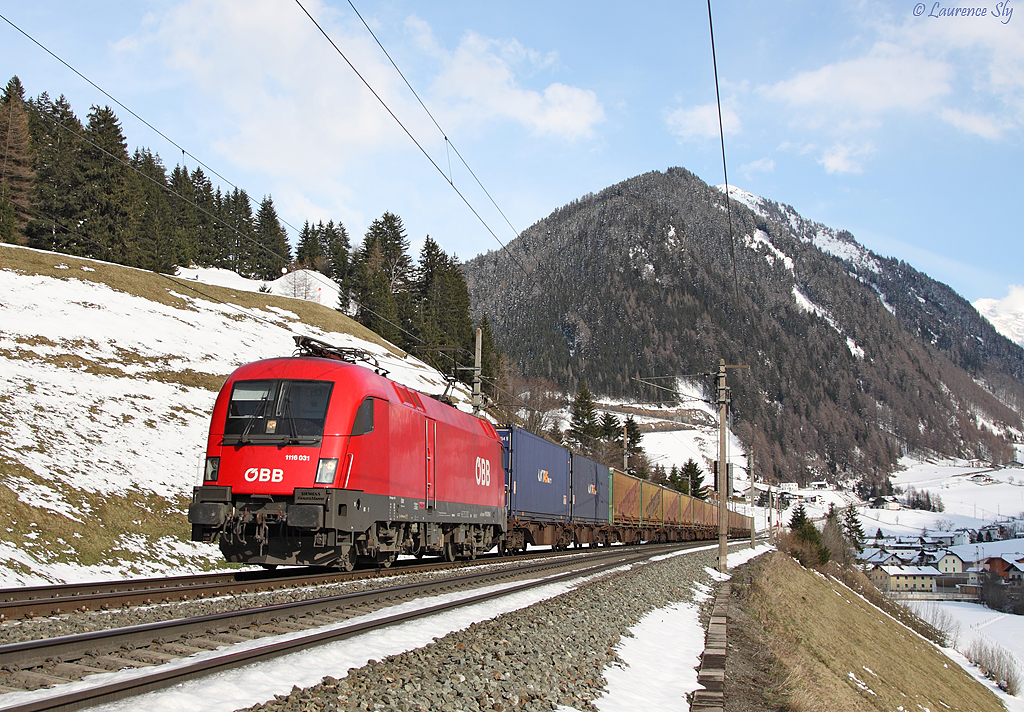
1006,314
855,358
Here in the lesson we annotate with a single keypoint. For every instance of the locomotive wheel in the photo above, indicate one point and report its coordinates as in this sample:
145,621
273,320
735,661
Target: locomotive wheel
472,553
449,552
348,562
384,560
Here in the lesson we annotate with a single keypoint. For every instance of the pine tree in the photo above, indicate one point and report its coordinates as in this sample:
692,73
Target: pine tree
388,233
275,253
853,530
151,213
799,519
105,224
611,428
310,254
17,157
491,365
584,428
240,232
338,250
694,478
57,193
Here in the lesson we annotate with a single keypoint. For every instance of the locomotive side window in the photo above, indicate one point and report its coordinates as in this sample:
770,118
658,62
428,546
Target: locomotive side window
364,418
276,412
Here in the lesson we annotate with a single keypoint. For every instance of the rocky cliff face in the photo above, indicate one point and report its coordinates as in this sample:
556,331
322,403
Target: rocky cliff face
854,359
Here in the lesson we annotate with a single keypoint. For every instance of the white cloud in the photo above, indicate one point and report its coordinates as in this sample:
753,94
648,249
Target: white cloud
701,122
989,126
845,158
888,78
479,82
762,165
292,107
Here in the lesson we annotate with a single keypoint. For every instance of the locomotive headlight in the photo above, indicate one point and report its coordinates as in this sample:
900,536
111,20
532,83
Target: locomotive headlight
326,471
212,469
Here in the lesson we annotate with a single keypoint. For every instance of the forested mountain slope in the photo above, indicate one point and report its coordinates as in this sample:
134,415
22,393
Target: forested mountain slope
846,373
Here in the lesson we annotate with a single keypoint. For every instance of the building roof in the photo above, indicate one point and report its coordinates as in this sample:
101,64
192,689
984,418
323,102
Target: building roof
910,570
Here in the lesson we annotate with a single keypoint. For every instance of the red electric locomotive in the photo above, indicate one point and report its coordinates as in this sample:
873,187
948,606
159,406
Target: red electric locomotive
316,460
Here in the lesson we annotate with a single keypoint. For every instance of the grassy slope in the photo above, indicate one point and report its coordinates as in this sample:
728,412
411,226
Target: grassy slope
134,531
819,631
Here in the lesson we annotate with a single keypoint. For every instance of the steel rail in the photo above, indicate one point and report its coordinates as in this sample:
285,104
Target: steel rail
35,601
36,652
164,676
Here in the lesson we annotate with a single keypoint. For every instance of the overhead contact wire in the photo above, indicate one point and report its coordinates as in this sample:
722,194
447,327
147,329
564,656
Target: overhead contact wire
412,138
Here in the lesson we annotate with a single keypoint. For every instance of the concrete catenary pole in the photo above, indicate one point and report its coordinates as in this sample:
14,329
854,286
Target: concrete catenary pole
723,477
750,474
478,400
625,448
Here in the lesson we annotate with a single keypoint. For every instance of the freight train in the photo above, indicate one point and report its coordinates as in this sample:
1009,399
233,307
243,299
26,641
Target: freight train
317,459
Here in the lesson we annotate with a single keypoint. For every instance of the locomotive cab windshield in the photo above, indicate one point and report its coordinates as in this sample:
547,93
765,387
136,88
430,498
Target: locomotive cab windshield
276,412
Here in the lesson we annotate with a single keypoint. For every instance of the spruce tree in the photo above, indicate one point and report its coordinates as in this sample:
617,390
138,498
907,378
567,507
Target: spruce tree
694,478
388,233
17,159
853,530
377,308
275,254
57,194
491,365
309,253
611,428
799,519
105,208
584,427
337,250
240,232
150,210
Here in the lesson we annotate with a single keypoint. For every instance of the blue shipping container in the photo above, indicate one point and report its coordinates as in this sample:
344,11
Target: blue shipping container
537,474
591,491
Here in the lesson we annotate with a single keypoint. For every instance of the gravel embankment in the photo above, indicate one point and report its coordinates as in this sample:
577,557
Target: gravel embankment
551,653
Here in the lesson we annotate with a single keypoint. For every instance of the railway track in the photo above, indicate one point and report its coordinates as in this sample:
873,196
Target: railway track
212,643
37,601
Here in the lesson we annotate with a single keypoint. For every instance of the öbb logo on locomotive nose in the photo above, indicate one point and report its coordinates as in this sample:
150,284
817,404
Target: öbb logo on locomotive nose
483,472
263,474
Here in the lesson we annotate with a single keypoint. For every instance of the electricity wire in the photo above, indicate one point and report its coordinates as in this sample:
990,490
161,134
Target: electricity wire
412,138
725,170
447,141
114,99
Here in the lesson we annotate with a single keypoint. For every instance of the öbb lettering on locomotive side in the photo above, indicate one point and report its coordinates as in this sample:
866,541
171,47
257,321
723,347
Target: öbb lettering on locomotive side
316,459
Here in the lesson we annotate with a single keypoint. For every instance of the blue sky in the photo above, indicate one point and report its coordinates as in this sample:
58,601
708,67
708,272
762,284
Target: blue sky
903,129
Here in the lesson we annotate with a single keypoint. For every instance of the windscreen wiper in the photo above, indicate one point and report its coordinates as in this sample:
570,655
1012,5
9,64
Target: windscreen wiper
244,437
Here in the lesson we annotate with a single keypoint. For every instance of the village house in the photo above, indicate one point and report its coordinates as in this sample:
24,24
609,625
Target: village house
904,579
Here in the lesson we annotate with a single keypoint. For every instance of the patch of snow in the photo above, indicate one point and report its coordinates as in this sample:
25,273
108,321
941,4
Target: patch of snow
761,238
741,196
1006,314
857,351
